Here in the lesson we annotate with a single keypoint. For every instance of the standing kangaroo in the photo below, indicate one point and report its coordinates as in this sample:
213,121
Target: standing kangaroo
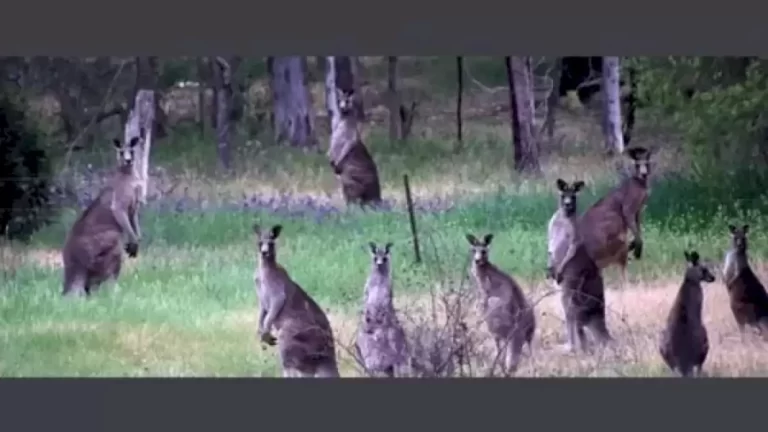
604,226
349,157
748,299
508,315
684,344
92,252
561,225
579,277
381,342
305,339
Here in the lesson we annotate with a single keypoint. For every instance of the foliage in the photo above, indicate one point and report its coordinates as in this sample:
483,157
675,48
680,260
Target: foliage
24,173
725,115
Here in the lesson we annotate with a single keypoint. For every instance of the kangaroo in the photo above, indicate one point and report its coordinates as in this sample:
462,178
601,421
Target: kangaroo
349,157
604,226
508,315
381,342
560,229
684,344
749,301
92,252
305,339
579,277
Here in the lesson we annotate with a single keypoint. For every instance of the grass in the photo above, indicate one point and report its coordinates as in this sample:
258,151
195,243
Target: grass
187,305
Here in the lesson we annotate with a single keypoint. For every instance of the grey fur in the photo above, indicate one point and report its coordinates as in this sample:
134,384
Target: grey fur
579,278
349,157
747,296
605,225
305,339
381,341
683,342
508,315
92,252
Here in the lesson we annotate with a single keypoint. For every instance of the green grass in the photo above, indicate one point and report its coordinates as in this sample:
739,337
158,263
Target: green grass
186,306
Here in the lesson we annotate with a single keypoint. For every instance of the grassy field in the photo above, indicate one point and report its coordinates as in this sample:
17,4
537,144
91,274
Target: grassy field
187,305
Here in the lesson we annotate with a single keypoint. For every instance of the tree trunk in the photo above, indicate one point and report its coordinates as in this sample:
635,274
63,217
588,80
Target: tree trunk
339,74
554,97
212,71
459,94
239,90
320,66
520,80
223,83
614,141
394,99
629,125
331,104
294,121
147,75
202,81
142,118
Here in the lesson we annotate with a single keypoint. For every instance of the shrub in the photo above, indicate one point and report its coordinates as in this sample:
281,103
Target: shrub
25,173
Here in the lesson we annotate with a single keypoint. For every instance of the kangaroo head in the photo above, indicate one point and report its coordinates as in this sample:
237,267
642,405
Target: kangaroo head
568,193
480,248
265,241
126,154
641,158
739,237
345,99
380,256
697,270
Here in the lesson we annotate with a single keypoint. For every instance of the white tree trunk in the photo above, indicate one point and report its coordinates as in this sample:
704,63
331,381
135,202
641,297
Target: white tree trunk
142,116
614,140
330,91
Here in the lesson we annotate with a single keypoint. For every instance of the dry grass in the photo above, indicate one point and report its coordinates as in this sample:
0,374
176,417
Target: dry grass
635,317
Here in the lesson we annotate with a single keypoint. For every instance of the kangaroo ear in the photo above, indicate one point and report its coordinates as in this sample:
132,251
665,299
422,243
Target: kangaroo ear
732,228
561,184
692,257
387,247
687,256
117,143
134,141
577,185
257,229
276,230
488,238
636,152
745,228
472,239
372,246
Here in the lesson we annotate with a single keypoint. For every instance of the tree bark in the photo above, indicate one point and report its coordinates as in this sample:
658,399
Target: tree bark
224,96
147,75
459,94
629,125
202,84
294,121
141,118
394,99
339,74
239,90
331,104
520,80
614,140
554,97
